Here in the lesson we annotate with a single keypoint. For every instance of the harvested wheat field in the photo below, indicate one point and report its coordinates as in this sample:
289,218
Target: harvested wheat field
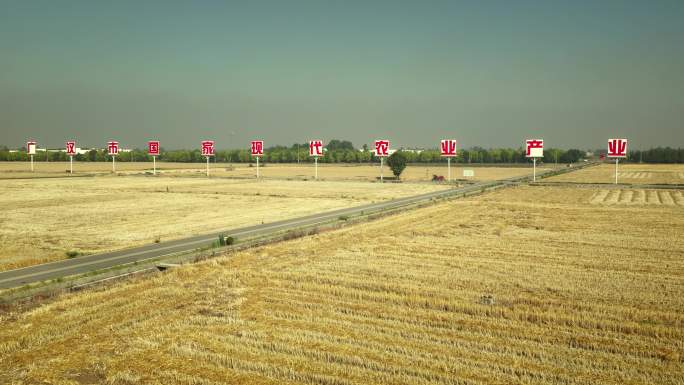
355,172
14,170
43,219
638,197
627,173
364,172
535,285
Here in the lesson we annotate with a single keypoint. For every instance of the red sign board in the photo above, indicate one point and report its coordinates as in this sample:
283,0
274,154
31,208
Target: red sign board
447,147
534,148
113,148
153,147
207,148
382,148
71,148
31,147
315,148
257,147
617,148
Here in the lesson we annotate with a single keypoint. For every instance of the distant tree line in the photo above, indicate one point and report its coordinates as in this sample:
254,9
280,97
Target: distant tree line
658,155
342,151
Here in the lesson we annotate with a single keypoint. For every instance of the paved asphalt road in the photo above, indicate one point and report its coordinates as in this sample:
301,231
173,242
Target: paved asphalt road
85,264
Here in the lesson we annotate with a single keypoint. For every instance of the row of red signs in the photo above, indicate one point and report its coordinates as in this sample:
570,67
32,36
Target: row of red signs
617,148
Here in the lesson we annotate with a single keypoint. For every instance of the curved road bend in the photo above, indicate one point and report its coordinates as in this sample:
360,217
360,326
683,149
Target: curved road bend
85,264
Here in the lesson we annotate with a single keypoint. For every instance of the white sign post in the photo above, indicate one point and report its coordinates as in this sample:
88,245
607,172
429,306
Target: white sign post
153,150
31,150
382,151
113,150
208,151
617,148
71,151
448,149
257,152
534,150
316,150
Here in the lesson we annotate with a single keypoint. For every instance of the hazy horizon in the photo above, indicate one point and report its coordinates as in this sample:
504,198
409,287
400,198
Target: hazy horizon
488,74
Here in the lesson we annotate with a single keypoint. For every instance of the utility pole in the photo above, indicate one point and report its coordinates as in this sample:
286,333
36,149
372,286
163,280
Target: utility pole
556,153
230,154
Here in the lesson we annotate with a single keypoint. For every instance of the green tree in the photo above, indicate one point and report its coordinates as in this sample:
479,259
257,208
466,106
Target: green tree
336,144
571,156
397,163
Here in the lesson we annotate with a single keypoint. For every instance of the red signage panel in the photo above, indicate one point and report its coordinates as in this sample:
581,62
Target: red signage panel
447,147
382,148
257,147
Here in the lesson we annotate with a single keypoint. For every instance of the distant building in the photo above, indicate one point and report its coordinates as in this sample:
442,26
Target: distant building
83,151
413,150
79,150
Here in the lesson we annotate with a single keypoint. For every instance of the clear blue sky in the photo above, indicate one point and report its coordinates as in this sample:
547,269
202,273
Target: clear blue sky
487,73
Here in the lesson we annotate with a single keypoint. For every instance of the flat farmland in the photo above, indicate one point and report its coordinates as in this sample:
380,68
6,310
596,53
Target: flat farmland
365,172
12,170
627,173
535,285
354,172
44,218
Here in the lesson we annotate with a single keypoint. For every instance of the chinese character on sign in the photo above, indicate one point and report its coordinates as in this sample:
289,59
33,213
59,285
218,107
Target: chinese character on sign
534,148
208,148
617,148
382,147
113,148
153,147
71,148
257,147
448,147
315,148
31,147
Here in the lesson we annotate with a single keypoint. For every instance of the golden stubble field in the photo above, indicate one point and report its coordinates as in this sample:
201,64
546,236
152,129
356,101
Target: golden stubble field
535,285
363,172
627,173
44,218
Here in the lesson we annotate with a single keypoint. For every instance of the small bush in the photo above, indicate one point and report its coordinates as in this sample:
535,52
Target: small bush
343,217
397,163
71,254
229,241
221,240
293,234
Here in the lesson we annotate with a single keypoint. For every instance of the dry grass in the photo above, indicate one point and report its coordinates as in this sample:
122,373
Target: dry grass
533,285
9,170
364,172
42,219
627,173
271,171
638,197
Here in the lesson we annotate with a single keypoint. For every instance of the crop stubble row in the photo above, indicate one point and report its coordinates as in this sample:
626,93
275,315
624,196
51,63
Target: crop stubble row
394,301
